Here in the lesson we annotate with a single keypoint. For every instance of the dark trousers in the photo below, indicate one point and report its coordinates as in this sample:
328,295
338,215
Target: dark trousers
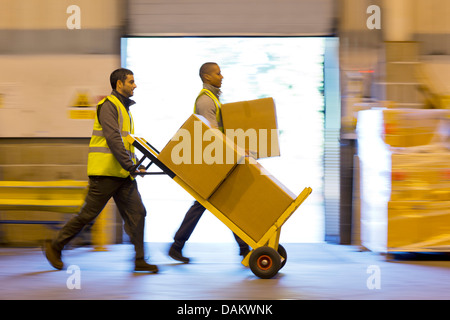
188,225
128,201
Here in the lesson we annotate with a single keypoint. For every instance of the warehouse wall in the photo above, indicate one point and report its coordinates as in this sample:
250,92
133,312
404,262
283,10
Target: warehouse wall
46,65
55,60
231,17
52,55
431,26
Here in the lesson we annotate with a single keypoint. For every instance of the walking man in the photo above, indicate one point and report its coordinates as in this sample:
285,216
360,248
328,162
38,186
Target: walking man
111,170
207,105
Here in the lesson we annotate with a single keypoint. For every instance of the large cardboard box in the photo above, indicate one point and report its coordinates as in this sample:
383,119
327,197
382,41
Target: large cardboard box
252,125
252,198
411,127
418,225
405,189
200,156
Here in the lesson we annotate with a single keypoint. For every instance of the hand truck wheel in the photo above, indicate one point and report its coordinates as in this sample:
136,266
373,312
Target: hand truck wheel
265,262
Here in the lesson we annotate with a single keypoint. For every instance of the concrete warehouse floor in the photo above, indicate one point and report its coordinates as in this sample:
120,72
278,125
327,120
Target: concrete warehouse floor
312,271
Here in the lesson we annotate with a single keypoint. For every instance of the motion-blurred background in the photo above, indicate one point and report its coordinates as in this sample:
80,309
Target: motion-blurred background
361,90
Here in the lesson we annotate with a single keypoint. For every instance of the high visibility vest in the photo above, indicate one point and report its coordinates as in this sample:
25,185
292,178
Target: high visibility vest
216,102
101,162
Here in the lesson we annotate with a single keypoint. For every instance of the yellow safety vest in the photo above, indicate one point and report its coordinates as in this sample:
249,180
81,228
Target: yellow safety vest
101,162
216,102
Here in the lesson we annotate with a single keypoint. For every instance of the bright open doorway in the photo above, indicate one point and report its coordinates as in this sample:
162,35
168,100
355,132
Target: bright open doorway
288,69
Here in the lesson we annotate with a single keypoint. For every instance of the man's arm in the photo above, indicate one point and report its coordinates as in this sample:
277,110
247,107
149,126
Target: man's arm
206,107
108,118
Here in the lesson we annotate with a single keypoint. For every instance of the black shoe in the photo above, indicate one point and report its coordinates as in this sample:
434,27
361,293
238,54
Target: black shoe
141,265
176,255
244,252
53,256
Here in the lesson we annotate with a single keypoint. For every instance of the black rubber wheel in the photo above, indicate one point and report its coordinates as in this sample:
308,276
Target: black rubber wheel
282,252
265,262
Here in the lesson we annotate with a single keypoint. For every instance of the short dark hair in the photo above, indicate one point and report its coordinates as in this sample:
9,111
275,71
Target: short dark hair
206,68
119,74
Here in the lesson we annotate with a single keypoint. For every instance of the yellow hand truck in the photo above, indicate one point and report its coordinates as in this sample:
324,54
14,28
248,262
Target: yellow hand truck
267,256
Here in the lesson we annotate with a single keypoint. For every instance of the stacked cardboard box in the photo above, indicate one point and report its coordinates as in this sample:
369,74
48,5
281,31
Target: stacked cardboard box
239,187
420,176
252,198
405,179
201,156
416,225
409,128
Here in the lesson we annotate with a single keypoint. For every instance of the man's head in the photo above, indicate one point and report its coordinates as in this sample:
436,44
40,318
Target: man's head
210,74
122,80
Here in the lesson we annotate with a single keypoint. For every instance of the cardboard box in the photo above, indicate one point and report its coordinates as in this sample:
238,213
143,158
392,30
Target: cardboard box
252,198
418,224
252,125
409,127
403,223
200,156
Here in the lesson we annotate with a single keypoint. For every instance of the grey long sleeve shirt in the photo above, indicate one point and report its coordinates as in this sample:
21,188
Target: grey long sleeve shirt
108,118
206,107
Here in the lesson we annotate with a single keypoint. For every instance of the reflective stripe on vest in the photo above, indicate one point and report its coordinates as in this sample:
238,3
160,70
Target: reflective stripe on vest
216,102
101,162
